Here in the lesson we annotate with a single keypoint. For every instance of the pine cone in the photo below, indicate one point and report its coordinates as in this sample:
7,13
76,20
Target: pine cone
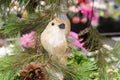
33,71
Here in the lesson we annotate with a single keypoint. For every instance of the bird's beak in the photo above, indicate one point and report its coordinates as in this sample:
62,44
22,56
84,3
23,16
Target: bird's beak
62,26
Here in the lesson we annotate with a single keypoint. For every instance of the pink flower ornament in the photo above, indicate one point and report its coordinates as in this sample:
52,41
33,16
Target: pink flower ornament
73,35
77,42
28,40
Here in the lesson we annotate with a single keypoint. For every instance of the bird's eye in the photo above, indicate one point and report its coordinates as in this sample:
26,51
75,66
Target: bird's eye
53,24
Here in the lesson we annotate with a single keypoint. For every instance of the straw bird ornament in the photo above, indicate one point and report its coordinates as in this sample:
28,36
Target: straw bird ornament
53,38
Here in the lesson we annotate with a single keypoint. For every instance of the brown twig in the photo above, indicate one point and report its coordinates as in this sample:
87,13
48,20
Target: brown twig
86,30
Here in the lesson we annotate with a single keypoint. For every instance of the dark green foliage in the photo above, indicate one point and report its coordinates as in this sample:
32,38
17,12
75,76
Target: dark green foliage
35,21
14,25
84,68
94,40
11,65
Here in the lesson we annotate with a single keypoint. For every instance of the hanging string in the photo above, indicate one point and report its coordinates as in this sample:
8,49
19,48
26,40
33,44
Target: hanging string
91,14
